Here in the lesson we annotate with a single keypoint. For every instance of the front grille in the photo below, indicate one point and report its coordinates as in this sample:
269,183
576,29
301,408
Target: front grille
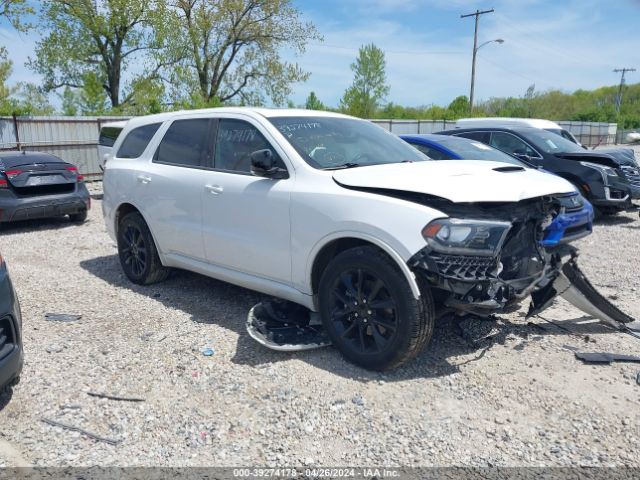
632,174
7,338
465,267
45,189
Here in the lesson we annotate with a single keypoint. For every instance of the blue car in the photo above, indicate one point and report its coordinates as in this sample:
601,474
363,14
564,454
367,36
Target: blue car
445,147
573,220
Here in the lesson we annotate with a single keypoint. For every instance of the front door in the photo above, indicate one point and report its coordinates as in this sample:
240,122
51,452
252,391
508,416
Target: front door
246,223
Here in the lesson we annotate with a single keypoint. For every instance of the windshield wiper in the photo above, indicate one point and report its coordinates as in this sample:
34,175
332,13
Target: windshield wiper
344,165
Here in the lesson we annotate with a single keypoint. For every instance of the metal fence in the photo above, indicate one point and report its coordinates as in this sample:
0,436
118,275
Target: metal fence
587,133
75,139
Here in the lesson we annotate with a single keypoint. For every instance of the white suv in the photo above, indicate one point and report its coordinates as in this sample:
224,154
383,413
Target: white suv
338,215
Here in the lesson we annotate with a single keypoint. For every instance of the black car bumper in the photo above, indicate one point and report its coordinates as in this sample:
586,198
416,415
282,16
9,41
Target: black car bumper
11,352
616,195
14,208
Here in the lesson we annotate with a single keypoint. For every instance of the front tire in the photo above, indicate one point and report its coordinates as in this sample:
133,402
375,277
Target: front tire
137,251
369,310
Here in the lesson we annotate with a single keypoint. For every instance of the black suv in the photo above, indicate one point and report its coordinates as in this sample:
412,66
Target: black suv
11,356
603,180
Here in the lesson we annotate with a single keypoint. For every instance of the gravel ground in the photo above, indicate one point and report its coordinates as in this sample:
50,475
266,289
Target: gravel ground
505,392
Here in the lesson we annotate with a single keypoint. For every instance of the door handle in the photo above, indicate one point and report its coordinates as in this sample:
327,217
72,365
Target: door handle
214,189
144,179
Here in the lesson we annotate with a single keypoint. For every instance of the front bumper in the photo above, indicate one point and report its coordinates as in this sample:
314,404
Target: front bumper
14,208
11,351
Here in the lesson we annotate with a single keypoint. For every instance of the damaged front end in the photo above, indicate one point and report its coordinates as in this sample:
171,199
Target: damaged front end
487,258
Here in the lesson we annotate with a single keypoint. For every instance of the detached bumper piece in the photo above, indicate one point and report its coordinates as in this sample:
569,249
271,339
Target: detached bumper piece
572,285
286,326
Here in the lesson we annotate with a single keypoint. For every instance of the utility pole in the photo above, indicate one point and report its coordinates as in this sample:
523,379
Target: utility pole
623,71
476,14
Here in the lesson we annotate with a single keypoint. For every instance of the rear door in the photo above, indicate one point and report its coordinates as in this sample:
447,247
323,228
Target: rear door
246,223
171,189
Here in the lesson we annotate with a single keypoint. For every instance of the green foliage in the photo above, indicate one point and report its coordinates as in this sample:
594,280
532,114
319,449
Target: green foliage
230,50
369,87
92,42
314,103
14,11
23,98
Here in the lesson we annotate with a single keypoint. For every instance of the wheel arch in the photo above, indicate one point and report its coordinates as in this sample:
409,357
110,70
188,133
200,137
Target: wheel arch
124,209
330,247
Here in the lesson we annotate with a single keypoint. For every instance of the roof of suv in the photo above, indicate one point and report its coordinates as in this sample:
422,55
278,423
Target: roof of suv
251,111
520,129
507,122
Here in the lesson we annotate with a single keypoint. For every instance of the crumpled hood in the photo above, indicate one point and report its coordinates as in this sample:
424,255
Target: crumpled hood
459,181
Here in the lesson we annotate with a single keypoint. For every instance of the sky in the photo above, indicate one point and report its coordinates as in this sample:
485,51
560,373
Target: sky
563,44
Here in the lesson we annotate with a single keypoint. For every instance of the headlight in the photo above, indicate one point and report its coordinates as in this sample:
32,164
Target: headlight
465,237
604,171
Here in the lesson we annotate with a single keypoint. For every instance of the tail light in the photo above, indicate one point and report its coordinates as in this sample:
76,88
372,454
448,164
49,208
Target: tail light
74,170
9,174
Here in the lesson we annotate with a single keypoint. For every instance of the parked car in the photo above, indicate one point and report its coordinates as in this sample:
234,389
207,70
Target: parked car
337,215
11,354
446,147
108,135
574,223
509,122
39,185
607,184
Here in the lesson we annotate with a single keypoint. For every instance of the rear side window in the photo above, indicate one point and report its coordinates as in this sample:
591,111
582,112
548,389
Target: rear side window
185,143
108,136
137,140
479,136
431,152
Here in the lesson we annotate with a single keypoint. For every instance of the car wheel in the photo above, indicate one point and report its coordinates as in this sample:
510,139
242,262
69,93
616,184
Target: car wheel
79,217
370,312
137,251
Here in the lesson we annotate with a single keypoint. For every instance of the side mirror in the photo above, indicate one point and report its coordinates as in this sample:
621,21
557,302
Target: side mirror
263,164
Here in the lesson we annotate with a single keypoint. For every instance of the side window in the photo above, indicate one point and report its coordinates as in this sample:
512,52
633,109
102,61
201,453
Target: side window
511,144
184,143
108,136
479,136
432,152
137,140
235,142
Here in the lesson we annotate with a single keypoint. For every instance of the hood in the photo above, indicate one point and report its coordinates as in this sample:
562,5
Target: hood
460,181
600,158
624,156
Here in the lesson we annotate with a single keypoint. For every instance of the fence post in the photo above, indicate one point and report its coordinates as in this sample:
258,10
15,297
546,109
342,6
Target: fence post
15,129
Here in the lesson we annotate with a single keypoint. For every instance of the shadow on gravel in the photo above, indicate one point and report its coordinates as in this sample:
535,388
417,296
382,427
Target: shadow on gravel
28,226
210,301
611,220
5,397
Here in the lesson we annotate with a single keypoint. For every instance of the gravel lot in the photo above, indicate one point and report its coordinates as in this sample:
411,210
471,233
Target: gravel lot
503,392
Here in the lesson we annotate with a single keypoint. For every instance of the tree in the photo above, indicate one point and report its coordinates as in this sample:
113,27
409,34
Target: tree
369,87
99,40
314,103
231,49
459,107
23,98
14,10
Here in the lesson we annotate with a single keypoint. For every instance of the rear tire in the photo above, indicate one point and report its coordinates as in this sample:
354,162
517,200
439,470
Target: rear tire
137,251
369,310
78,217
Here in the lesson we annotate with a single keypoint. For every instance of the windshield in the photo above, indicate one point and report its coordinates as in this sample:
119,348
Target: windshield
550,142
330,142
471,150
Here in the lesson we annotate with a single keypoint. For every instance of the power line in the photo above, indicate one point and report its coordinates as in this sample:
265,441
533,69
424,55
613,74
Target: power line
476,14
393,52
